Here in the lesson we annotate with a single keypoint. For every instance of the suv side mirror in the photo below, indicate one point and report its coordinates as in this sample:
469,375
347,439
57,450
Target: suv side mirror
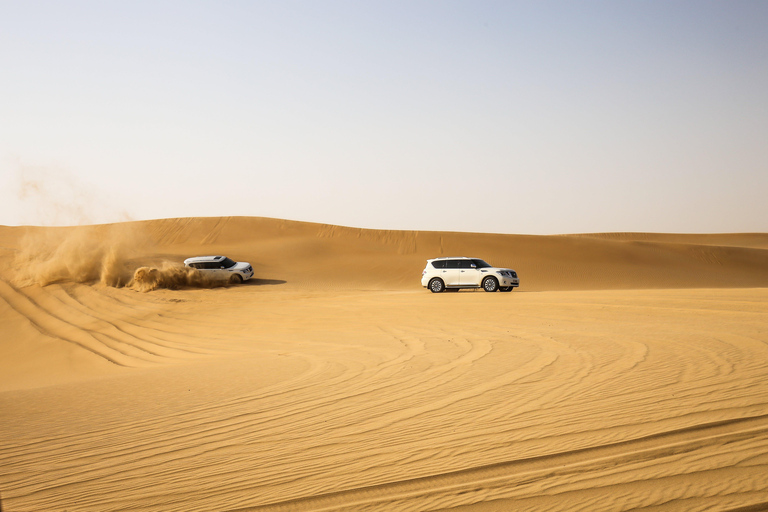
474,266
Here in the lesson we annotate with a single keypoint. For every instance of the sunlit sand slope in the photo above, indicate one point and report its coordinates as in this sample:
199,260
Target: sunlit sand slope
321,255
335,382
318,255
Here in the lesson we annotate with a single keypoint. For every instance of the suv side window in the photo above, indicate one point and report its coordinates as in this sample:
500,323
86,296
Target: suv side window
438,264
465,263
452,263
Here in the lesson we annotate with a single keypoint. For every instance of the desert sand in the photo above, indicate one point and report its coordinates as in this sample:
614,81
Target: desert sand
629,371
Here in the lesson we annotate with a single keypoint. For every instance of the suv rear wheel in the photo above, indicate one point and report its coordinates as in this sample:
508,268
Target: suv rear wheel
436,285
490,284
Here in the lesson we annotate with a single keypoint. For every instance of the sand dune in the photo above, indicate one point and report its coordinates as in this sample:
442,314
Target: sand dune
628,372
320,256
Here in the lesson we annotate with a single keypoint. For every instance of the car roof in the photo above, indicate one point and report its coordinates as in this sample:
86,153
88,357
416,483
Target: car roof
453,258
199,259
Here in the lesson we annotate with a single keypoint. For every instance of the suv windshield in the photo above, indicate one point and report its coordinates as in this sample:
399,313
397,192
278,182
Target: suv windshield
480,263
227,263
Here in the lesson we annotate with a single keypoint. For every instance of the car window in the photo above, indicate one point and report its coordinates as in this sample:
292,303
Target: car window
211,265
439,264
480,263
227,263
452,264
465,263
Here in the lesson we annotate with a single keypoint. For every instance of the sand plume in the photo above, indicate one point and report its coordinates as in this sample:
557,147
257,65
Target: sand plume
82,253
51,195
119,255
171,276
86,254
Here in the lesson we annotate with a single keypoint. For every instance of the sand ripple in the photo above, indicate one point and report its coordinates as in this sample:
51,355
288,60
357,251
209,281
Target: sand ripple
393,401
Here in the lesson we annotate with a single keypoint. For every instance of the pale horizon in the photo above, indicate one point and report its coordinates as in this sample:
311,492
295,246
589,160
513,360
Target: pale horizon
496,117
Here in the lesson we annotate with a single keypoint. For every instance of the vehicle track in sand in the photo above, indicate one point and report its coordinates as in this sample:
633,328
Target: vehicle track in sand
310,400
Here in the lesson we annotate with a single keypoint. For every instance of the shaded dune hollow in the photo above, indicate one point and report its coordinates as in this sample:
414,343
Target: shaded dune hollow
628,371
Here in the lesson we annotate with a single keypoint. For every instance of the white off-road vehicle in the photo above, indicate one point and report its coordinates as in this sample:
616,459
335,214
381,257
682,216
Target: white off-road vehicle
453,274
221,268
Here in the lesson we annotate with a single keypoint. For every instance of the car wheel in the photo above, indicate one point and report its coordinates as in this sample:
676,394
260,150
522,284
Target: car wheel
507,288
490,284
235,279
436,285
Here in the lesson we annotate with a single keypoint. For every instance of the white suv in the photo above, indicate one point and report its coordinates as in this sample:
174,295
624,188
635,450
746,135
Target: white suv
453,274
221,268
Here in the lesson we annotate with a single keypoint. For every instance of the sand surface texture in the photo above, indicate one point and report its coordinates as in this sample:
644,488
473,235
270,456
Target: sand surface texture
629,371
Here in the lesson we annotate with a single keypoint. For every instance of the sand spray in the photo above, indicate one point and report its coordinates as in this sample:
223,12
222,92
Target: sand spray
105,254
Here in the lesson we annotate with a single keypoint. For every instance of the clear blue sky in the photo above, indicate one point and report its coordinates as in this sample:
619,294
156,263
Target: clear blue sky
515,117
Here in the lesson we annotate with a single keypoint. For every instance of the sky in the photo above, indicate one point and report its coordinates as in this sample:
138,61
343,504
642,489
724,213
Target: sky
505,117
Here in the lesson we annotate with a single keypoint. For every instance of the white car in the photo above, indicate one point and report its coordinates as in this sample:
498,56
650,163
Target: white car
453,274
221,268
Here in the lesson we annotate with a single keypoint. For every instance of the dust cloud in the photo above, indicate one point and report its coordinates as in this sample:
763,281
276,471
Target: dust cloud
82,254
53,196
171,276
113,255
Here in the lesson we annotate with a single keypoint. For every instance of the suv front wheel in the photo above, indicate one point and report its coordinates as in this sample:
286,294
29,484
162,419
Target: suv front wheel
436,285
490,284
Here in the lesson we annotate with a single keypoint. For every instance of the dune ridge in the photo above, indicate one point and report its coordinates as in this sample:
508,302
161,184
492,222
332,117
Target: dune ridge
320,255
628,372
394,258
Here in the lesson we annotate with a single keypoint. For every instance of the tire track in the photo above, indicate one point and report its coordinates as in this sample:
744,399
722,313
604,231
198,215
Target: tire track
52,326
477,484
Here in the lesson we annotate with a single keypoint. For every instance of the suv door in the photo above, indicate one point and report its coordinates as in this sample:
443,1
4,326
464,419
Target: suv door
213,269
468,274
451,273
